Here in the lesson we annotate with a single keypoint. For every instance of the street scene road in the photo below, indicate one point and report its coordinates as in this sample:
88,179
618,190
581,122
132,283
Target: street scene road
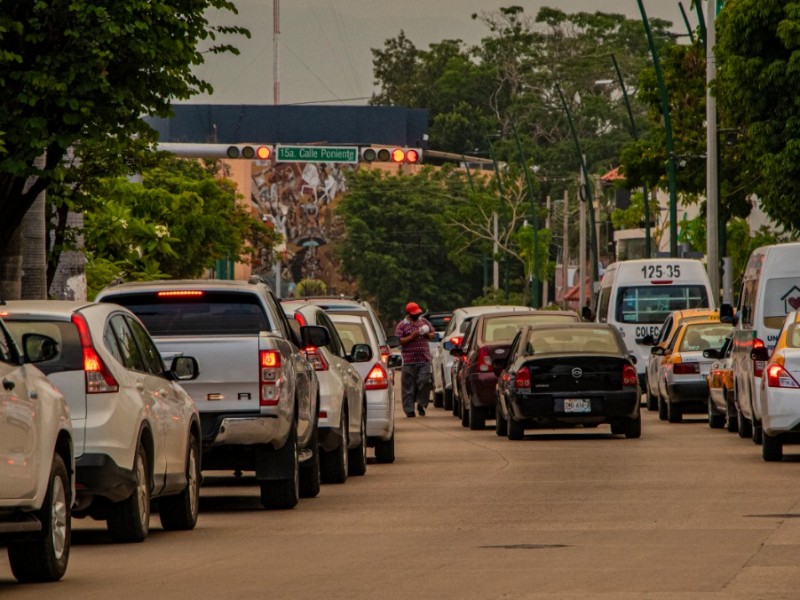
684,512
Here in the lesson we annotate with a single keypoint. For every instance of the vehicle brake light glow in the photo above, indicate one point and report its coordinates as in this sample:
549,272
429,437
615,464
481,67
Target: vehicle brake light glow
270,377
300,319
522,380
385,352
179,293
484,360
689,368
629,377
314,356
758,365
778,377
456,340
377,379
99,379
270,358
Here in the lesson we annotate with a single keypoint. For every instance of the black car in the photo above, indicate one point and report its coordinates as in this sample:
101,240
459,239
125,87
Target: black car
567,375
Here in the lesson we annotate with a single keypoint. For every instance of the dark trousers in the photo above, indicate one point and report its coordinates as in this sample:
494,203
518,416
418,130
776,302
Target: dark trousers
416,382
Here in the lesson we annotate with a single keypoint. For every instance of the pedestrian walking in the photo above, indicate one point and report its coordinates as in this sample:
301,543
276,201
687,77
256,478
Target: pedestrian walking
416,377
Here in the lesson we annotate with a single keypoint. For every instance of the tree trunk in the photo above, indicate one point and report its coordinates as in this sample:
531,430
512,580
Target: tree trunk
34,257
11,268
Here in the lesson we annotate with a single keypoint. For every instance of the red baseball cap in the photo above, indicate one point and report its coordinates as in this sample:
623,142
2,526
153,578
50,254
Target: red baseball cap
412,308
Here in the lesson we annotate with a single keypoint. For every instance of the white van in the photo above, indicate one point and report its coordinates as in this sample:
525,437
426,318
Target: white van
637,295
770,291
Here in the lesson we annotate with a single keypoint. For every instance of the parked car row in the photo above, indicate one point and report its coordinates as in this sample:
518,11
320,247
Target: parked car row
538,369
94,424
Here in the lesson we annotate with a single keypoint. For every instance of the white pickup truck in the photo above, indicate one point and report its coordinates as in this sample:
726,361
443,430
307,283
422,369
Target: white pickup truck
257,395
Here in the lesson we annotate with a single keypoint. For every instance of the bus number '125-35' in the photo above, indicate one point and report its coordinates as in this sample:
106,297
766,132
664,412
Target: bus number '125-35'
661,271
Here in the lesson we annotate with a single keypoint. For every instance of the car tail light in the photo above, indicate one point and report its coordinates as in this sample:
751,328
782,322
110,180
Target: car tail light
629,377
778,376
377,379
691,368
385,352
758,365
484,360
300,319
99,379
522,380
180,294
314,356
269,362
456,340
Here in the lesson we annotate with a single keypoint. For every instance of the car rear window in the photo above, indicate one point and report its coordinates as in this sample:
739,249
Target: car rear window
652,304
210,313
575,340
439,321
351,334
704,336
70,352
503,329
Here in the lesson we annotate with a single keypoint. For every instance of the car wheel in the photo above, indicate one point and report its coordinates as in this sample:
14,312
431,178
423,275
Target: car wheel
745,428
617,427
46,558
731,421
633,427
674,412
333,465
477,418
129,520
447,401
652,401
516,430
757,432
384,450
500,423
438,399
179,512
456,406
716,420
358,455
771,448
662,408
310,481
283,494
465,415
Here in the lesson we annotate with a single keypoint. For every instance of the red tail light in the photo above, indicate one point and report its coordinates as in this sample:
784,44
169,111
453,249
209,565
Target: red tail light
691,368
629,377
456,340
484,360
522,380
300,319
269,362
377,379
778,377
315,357
758,365
385,352
99,379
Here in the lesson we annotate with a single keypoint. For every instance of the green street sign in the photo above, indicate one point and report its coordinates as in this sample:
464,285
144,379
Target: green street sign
324,154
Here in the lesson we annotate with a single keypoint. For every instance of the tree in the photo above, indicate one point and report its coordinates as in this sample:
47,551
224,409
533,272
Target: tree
78,70
758,48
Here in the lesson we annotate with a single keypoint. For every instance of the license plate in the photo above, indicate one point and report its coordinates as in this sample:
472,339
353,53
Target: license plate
574,405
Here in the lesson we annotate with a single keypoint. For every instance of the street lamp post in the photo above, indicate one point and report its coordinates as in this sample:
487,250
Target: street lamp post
534,220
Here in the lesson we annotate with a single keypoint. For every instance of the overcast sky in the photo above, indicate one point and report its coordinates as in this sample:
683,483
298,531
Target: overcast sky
325,45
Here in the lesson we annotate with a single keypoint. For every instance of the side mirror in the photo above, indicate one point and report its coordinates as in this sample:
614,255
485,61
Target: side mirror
315,335
437,337
632,358
759,354
647,340
711,353
395,361
393,341
658,351
39,348
361,353
498,366
184,368
448,345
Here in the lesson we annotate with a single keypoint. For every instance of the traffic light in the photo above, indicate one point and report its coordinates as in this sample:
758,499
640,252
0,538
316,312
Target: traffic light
249,152
394,155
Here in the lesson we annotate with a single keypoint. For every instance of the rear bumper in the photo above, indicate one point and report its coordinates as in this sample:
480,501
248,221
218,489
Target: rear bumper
99,475
380,422
688,392
780,411
245,429
549,408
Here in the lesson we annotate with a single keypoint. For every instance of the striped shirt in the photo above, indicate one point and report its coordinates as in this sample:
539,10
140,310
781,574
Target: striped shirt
416,351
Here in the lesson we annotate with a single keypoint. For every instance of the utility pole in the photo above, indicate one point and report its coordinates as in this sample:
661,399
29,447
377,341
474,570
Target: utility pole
565,252
582,249
546,282
276,33
712,160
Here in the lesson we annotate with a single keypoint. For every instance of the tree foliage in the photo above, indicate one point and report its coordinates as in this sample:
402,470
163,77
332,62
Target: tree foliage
74,70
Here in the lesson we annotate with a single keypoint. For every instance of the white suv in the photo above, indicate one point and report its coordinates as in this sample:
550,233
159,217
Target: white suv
137,432
37,481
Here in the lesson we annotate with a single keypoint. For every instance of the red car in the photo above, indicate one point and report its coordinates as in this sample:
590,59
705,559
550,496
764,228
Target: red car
490,338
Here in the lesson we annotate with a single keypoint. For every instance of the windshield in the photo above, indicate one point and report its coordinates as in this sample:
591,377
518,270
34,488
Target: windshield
503,329
652,304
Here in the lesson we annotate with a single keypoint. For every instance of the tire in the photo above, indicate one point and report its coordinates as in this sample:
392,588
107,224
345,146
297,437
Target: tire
465,415
179,512
46,558
358,456
663,413
500,423
477,418
633,427
674,412
129,520
333,465
758,432
456,406
310,480
384,451
771,448
745,428
438,399
716,420
617,427
284,494
652,401
731,421
516,430
447,401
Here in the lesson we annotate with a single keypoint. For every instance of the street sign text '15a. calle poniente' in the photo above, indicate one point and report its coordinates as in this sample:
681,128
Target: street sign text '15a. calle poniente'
324,154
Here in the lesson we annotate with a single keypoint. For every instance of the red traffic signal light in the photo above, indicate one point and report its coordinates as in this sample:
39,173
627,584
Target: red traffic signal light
395,155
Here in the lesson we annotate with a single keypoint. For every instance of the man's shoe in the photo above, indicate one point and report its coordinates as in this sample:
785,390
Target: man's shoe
410,414
421,411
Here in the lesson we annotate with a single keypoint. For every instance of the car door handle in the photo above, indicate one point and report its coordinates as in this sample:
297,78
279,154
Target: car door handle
139,386
8,385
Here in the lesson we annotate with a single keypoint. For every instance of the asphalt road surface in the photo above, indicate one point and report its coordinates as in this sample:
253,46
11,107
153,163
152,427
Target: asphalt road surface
684,512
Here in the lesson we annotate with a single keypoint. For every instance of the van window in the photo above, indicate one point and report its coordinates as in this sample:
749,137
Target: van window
781,296
748,303
651,304
602,304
